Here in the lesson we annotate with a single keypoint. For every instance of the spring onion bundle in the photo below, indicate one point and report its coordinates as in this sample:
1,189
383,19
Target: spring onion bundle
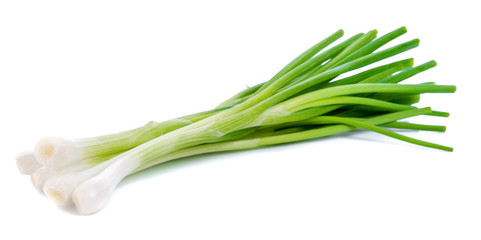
315,95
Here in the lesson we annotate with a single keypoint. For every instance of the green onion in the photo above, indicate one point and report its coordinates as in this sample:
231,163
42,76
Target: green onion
314,96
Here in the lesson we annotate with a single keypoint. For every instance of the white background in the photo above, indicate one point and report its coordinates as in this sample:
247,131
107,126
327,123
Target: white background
85,68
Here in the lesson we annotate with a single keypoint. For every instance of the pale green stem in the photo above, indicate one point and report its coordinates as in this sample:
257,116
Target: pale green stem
274,139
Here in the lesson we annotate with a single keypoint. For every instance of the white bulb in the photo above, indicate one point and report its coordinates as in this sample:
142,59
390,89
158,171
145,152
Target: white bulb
60,187
27,163
57,152
40,176
92,195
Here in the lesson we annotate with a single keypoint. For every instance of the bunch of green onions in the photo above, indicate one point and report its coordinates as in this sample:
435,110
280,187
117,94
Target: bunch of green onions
309,98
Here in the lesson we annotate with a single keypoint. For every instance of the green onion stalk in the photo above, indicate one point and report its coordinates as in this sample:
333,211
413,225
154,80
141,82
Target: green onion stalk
314,96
